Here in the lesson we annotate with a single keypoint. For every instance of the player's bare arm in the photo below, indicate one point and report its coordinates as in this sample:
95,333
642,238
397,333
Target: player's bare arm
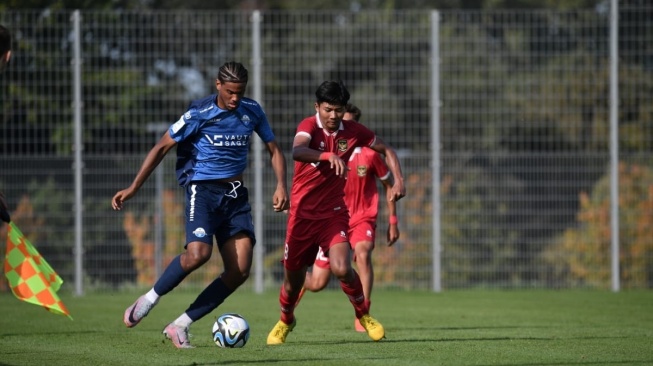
280,200
392,235
301,152
151,161
398,189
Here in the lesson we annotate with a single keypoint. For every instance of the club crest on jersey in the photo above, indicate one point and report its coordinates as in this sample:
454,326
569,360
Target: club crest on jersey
342,145
245,120
199,232
361,170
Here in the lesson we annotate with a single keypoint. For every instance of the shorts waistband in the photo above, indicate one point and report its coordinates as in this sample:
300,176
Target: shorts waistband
217,182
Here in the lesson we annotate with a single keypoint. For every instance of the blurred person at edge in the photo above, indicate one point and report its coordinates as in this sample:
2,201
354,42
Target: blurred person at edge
5,56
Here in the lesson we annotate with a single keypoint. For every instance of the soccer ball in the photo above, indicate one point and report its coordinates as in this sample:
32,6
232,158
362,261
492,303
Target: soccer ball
230,331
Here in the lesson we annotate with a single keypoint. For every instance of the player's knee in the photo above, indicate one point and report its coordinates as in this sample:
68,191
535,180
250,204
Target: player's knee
317,283
364,257
194,259
340,270
237,276
321,284
241,272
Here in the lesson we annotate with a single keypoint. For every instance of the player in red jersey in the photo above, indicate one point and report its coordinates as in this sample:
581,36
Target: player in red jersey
318,216
361,197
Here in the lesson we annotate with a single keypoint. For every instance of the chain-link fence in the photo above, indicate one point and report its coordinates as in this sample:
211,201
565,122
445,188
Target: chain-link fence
523,122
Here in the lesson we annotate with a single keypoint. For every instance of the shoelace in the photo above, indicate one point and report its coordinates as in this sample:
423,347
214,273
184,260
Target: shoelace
371,323
281,331
234,186
142,310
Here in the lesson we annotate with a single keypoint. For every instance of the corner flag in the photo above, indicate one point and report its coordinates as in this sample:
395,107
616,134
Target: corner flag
30,277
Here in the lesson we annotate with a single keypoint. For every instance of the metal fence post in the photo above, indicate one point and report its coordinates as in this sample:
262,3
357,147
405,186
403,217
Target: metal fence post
256,151
78,146
435,147
614,140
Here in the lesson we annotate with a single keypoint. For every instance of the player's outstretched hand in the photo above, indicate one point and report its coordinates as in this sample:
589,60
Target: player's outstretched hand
280,201
393,234
339,165
397,192
120,197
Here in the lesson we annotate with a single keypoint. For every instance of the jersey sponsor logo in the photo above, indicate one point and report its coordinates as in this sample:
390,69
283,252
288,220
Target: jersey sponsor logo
206,109
199,232
361,170
228,140
342,145
178,125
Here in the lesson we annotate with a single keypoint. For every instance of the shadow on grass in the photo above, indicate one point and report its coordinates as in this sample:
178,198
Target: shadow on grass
298,361
629,362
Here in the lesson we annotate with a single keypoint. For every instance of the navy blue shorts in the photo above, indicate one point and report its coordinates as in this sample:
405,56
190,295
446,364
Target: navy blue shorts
217,209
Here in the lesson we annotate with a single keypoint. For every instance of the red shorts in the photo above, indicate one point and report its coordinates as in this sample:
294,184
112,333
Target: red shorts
305,236
361,231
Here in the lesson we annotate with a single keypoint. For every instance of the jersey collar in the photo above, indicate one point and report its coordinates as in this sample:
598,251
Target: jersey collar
319,123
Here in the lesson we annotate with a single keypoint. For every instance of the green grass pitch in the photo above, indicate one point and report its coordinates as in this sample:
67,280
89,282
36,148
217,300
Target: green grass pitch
455,327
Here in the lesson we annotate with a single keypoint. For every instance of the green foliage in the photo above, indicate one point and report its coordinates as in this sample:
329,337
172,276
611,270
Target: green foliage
582,255
479,232
47,231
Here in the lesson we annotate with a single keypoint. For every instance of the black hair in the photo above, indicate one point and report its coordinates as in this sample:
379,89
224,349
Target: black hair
332,92
232,72
5,40
355,111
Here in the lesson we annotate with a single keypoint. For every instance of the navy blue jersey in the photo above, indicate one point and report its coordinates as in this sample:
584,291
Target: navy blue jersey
213,143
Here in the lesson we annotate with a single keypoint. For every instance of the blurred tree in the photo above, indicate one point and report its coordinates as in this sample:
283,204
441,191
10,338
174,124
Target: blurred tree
581,256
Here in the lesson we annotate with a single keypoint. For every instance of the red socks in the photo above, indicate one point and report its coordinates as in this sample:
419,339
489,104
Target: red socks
354,291
287,306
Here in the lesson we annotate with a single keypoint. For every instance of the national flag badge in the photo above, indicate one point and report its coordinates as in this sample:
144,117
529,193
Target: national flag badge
342,145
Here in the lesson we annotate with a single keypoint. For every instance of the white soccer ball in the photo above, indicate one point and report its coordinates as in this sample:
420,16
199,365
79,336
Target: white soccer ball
230,331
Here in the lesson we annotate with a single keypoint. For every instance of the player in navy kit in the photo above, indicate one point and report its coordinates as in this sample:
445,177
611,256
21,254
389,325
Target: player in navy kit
212,140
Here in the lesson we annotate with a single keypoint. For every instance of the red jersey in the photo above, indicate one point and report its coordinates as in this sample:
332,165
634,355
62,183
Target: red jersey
361,193
317,192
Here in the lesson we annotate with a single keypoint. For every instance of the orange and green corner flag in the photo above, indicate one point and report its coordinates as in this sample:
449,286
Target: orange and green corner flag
30,276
